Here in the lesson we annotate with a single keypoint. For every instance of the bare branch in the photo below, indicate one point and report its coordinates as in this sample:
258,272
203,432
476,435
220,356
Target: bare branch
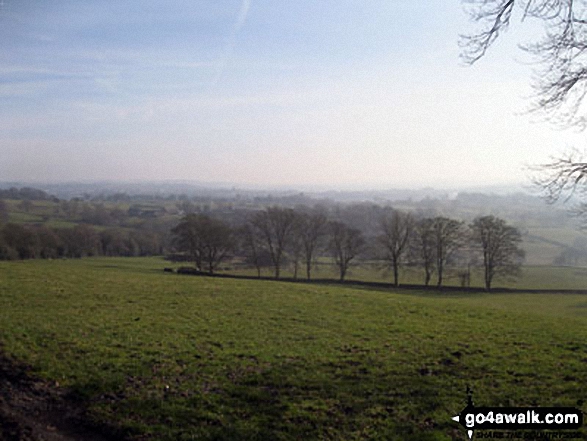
561,178
560,81
496,16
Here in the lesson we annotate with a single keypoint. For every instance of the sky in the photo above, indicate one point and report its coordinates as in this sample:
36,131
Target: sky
320,94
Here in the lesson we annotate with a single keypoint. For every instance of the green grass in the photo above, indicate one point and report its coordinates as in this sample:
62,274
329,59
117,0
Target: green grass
531,277
24,218
58,223
544,245
176,357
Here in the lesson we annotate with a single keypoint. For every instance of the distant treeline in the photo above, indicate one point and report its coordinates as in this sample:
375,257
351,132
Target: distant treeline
41,242
26,194
293,236
573,255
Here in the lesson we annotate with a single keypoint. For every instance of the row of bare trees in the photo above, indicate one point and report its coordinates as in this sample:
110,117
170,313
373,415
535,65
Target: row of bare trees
267,239
271,236
433,243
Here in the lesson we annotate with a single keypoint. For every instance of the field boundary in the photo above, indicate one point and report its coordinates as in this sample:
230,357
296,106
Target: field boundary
380,285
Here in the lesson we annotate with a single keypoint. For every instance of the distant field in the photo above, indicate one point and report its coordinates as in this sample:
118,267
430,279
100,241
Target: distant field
164,356
566,236
544,245
23,218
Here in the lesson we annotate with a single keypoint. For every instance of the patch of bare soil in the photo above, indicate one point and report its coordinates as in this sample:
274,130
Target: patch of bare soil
37,410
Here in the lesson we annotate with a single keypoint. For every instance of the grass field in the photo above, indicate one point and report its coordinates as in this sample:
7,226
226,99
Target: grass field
164,356
531,277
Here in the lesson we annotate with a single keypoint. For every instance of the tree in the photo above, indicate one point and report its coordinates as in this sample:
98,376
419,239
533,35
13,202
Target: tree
311,229
345,244
424,247
79,241
3,212
499,244
564,178
561,81
275,225
252,244
146,243
115,242
7,252
397,228
295,248
448,237
48,243
188,238
208,241
22,240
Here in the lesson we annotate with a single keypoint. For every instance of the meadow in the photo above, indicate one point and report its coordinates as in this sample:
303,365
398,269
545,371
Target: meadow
163,356
532,277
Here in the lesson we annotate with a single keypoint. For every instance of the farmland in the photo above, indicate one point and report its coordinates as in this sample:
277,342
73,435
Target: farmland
161,356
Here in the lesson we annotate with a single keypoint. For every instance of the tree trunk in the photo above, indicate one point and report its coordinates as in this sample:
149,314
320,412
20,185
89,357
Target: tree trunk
342,273
439,283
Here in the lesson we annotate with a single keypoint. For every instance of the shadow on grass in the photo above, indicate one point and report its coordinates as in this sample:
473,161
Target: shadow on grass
352,396
423,290
32,408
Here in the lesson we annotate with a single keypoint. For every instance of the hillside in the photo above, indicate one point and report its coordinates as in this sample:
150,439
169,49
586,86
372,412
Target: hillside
155,355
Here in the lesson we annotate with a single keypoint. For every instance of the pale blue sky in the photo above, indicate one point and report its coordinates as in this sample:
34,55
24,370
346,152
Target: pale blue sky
257,92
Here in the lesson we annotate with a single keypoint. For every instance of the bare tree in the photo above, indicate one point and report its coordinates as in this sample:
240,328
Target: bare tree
561,80
219,244
312,228
424,247
345,243
564,179
48,243
275,225
188,238
79,241
252,245
397,228
114,242
23,240
3,212
296,244
207,240
449,237
499,243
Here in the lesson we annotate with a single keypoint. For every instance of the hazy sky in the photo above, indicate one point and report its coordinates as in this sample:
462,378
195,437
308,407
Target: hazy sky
329,93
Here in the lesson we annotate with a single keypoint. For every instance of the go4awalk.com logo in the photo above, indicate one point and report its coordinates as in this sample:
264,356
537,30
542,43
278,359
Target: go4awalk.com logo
552,420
